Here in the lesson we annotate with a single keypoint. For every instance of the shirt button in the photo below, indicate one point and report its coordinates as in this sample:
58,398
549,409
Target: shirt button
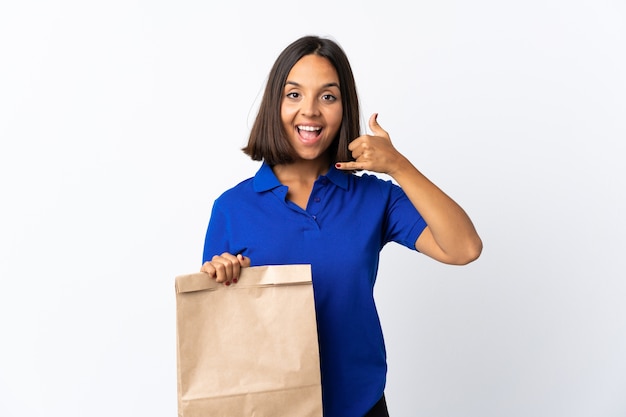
314,217
317,199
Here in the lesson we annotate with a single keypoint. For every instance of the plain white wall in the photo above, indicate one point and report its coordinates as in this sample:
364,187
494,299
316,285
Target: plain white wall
121,121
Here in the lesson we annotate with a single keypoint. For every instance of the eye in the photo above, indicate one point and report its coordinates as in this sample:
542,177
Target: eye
329,97
293,94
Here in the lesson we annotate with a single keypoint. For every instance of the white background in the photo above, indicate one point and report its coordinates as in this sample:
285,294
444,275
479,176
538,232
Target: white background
121,122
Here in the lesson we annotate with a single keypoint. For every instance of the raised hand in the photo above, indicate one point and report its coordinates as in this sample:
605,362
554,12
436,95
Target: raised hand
373,152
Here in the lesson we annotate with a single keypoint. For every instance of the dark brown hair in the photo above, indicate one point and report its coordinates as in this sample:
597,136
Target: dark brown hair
268,140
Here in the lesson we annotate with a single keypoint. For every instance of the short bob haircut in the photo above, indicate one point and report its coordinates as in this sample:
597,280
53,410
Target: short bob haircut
268,140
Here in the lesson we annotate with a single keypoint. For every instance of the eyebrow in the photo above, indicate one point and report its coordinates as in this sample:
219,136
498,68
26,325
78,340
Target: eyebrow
324,86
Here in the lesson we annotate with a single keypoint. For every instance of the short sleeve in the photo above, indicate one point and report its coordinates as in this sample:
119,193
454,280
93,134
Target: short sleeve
216,239
404,224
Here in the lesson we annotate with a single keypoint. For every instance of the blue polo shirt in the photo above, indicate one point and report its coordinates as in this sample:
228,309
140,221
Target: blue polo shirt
348,220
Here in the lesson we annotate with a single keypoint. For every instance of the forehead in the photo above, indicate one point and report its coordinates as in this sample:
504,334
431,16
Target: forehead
313,69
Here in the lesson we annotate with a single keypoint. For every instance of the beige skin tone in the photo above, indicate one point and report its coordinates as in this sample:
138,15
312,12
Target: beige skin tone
311,100
311,112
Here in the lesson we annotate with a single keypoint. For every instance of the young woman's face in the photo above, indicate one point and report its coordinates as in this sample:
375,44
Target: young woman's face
311,109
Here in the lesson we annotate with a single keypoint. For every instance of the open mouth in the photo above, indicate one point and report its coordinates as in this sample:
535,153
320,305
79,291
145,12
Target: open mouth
309,133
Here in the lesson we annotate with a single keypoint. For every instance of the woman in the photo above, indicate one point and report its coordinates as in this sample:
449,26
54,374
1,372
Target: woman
306,205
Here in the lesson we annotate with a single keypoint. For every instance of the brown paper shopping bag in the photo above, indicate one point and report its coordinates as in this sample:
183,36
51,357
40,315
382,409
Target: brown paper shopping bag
249,349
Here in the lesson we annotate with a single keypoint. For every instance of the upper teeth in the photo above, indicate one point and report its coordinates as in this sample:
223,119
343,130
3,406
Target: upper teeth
309,128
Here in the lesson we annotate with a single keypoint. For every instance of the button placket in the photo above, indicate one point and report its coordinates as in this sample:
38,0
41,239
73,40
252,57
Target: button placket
319,190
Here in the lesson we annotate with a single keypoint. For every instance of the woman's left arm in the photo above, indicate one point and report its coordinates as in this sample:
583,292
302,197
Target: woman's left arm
450,236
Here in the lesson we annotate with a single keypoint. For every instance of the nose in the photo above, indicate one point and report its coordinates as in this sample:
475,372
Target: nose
310,107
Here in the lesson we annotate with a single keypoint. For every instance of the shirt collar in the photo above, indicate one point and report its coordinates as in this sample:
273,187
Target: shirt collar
265,180
338,177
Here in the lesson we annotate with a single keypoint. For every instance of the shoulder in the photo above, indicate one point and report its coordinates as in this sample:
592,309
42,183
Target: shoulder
241,190
369,181
378,187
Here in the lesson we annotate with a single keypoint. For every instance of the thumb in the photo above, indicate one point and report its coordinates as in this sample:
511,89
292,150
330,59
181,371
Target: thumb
376,129
244,261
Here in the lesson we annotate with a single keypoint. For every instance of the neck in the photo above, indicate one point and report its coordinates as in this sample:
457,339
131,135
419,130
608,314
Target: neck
302,171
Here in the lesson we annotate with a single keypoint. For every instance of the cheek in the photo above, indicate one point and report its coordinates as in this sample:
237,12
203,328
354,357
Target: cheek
286,114
335,121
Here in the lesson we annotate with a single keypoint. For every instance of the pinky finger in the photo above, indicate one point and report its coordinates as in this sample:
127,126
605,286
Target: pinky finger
347,165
